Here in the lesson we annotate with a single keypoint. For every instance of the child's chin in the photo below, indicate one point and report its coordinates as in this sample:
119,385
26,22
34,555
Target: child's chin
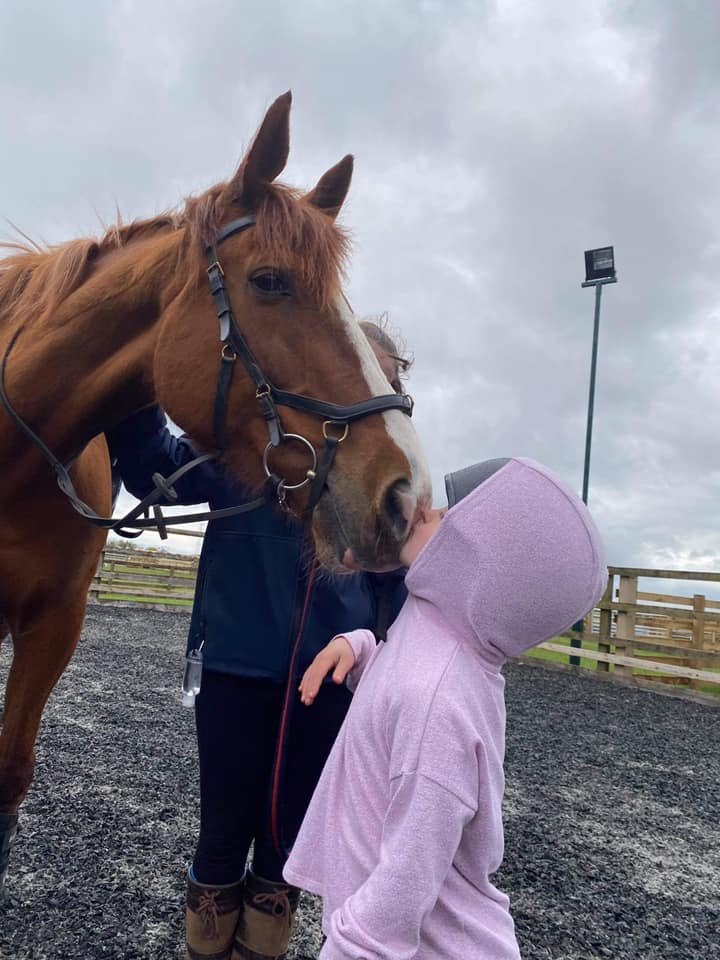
351,564
349,561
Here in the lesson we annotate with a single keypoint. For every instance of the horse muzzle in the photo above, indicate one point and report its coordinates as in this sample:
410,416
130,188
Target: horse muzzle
350,539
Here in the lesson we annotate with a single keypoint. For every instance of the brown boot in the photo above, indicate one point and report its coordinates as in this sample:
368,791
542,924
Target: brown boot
211,916
266,921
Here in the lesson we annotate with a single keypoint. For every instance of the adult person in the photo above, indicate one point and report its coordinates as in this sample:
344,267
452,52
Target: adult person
260,753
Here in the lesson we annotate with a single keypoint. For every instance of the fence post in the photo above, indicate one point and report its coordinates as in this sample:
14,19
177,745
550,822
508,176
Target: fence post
605,624
94,591
698,636
625,631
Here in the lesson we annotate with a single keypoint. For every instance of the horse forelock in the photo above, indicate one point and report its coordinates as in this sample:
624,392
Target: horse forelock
314,246
289,232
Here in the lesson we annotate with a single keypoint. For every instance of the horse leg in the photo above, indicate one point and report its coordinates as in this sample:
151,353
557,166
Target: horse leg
41,653
48,557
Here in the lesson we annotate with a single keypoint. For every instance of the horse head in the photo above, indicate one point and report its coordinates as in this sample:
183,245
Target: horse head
282,274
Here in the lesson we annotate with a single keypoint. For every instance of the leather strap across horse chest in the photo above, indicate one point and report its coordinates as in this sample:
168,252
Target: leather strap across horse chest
336,424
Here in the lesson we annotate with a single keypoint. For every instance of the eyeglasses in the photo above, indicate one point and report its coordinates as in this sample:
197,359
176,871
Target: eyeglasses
403,364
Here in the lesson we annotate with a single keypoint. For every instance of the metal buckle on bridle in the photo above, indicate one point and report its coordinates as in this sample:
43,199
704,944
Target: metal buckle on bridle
333,423
281,494
227,353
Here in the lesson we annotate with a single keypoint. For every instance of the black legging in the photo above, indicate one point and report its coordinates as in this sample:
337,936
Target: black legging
237,721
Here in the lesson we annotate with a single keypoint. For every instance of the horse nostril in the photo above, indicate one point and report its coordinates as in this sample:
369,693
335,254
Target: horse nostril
399,507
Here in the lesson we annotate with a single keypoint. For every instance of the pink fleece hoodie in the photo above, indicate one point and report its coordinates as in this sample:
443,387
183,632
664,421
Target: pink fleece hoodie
405,827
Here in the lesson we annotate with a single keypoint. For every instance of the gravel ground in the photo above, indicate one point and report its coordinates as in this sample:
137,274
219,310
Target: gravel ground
612,812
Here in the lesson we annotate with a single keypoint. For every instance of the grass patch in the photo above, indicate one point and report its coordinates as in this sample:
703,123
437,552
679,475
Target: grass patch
553,657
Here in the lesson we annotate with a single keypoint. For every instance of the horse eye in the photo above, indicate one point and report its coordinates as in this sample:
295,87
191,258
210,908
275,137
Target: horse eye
270,283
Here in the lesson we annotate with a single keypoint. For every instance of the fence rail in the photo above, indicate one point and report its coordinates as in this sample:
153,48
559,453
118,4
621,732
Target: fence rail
146,577
639,635
647,636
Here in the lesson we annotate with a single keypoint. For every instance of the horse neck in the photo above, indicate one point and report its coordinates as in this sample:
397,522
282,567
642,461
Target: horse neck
88,366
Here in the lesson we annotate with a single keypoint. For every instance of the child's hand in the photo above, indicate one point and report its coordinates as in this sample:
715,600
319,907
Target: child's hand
337,656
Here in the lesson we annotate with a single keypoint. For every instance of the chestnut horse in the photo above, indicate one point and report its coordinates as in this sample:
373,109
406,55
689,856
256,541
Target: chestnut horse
109,326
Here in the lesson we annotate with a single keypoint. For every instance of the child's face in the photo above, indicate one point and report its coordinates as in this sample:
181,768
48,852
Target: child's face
425,528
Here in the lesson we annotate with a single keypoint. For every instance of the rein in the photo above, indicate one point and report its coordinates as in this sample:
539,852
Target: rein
336,424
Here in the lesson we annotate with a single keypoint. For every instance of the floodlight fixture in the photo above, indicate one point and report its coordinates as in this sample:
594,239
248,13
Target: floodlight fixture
599,266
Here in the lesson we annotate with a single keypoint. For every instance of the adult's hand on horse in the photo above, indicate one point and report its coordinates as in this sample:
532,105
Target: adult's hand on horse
337,657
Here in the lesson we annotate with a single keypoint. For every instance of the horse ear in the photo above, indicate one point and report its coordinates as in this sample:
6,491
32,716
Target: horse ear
267,155
331,189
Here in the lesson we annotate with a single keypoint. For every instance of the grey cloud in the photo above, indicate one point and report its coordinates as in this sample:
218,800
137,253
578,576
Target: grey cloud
494,143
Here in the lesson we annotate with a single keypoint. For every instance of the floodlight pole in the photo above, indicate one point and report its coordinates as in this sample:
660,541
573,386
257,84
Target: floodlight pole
598,284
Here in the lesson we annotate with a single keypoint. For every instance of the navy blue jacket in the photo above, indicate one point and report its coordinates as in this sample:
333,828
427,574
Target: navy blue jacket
250,574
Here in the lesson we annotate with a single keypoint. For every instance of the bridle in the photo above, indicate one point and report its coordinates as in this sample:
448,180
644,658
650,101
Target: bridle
336,424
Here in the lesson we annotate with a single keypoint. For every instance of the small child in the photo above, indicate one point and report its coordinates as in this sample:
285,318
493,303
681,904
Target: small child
405,827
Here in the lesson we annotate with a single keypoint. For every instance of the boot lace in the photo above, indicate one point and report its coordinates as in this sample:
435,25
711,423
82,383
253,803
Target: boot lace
279,903
208,912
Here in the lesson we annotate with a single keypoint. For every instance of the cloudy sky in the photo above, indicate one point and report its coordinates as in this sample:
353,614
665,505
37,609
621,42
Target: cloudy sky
494,143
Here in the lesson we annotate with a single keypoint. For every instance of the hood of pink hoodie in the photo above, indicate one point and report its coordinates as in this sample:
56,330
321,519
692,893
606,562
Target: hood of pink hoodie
515,562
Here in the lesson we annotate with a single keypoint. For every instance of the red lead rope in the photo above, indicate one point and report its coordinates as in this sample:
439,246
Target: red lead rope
289,694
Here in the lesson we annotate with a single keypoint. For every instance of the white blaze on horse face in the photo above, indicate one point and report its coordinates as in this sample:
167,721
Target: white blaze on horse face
398,425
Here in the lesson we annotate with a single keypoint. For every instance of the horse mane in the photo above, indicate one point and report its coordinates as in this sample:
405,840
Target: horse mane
288,232
39,278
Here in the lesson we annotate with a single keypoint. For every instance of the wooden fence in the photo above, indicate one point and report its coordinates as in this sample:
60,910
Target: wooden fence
636,635
149,577
645,636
